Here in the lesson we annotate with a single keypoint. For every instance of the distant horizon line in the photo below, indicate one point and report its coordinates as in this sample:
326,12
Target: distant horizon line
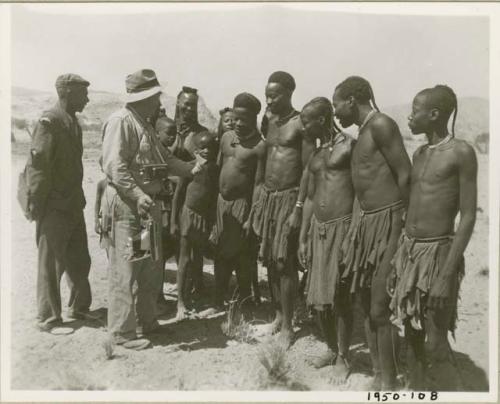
201,96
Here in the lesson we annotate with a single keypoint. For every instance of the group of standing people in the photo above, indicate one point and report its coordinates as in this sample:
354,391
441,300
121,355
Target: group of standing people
298,194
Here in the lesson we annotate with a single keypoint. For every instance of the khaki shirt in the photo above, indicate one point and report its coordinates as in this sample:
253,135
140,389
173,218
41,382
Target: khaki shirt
128,143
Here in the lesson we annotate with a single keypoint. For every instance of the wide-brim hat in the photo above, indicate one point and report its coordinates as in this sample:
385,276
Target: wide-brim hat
141,85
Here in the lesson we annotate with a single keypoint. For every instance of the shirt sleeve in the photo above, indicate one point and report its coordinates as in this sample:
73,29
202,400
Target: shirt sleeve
42,158
119,147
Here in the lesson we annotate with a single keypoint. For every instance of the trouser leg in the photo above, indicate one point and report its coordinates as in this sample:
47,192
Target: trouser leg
122,276
52,236
148,277
78,268
48,282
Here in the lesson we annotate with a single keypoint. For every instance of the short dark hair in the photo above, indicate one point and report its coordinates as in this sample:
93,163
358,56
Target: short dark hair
188,90
163,119
357,87
283,78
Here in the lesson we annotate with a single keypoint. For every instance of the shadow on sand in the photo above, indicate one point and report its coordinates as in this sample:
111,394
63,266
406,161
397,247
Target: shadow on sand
200,332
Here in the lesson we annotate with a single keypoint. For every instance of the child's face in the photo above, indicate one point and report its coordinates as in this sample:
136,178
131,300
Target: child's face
228,121
167,135
244,122
206,147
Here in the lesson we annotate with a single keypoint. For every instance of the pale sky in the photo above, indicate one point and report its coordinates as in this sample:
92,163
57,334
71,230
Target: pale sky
224,50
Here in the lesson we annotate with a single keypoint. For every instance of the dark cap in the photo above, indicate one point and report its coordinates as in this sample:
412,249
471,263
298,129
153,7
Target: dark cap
189,90
247,101
142,84
283,78
70,79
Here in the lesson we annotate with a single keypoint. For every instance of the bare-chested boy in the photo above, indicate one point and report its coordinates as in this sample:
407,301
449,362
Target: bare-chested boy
325,223
380,173
188,126
196,216
241,158
167,131
429,260
226,122
276,212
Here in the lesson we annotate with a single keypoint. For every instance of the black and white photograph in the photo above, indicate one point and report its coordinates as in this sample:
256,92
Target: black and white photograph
249,202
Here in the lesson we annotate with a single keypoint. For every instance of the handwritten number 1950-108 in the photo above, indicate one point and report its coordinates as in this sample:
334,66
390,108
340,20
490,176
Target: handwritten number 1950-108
410,395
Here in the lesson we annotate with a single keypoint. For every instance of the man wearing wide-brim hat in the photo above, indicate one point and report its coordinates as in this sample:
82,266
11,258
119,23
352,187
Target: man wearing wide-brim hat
56,203
129,143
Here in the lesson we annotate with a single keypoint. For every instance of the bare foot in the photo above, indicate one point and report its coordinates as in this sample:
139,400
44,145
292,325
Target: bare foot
327,359
341,370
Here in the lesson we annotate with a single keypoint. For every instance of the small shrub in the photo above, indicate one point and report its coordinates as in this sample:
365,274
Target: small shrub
273,357
235,326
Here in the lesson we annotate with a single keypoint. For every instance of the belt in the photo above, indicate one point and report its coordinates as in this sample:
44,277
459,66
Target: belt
397,204
275,191
322,225
415,240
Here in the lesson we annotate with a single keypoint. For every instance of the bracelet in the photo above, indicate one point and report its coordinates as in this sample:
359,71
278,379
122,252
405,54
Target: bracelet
299,204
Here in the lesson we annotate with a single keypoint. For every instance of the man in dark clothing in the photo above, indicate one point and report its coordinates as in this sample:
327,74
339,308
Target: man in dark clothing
57,202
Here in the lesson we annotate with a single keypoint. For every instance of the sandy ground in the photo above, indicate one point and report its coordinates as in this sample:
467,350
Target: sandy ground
195,354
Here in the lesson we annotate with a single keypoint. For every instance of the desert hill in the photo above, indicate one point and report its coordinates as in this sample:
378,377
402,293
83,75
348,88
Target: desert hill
27,104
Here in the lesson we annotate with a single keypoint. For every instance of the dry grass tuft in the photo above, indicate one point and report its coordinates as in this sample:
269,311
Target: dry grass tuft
235,326
273,357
